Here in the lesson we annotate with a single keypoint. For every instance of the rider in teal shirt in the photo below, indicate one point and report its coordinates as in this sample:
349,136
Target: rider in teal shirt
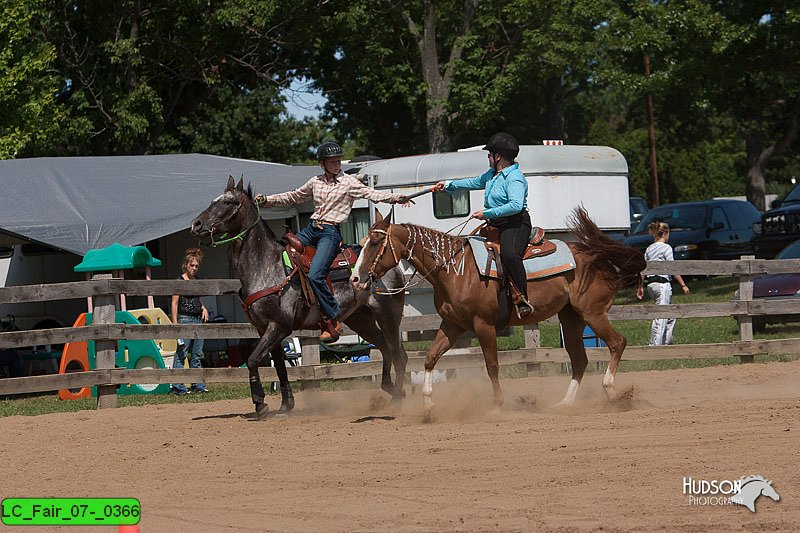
505,192
505,201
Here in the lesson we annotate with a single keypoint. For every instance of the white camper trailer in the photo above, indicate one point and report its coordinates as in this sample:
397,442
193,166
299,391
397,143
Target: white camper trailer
560,178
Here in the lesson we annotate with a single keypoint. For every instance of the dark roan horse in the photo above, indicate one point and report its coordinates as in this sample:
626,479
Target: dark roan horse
256,254
466,301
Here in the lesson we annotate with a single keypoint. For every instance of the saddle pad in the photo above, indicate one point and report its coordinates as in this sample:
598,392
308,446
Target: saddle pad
538,267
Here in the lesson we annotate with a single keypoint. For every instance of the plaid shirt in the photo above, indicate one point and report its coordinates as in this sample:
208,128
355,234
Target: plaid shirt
333,200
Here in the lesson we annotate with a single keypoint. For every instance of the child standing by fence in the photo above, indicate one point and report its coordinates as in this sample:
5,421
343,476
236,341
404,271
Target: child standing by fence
660,287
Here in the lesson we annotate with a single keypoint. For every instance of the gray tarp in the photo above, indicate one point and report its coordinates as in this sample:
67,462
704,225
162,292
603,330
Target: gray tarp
80,203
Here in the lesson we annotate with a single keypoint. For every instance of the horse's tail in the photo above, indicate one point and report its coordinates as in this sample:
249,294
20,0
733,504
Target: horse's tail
621,265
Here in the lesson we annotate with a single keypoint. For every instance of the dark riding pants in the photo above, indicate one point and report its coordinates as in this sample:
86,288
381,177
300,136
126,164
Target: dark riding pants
326,240
515,232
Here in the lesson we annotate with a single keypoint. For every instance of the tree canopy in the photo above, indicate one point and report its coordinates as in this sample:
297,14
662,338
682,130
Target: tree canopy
85,77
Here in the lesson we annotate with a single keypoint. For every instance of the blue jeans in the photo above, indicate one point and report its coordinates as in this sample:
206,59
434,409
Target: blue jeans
195,349
326,241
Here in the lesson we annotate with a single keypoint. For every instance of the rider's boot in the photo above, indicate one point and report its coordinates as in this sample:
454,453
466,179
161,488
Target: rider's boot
523,306
330,330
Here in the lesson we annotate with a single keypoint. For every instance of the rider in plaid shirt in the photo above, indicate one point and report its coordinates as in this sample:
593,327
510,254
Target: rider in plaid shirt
333,193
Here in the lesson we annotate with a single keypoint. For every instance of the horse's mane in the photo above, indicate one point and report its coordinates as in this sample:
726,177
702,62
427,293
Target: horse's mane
453,240
443,247
622,265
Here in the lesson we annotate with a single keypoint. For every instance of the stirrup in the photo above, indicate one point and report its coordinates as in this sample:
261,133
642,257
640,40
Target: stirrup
524,309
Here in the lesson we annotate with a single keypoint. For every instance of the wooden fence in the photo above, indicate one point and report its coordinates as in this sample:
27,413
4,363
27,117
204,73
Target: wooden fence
102,288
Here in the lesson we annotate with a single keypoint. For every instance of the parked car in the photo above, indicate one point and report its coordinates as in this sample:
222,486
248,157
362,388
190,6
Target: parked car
777,287
639,209
779,226
709,229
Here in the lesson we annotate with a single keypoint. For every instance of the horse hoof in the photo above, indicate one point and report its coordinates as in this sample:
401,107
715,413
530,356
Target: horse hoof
262,411
427,416
396,401
286,406
563,404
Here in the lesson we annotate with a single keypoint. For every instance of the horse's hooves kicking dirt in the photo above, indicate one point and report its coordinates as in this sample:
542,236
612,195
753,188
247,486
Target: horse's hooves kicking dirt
526,402
377,402
624,395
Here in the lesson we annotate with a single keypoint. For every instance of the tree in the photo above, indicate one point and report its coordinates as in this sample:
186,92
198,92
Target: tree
530,61
139,72
725,76
761,85
438,66
28,87
246,124
453,71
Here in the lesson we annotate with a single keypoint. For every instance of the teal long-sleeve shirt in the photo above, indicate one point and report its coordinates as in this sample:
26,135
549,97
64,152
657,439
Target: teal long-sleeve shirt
505,193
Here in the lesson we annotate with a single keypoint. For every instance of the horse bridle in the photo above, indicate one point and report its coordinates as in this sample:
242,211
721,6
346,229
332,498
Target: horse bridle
387,238
242,233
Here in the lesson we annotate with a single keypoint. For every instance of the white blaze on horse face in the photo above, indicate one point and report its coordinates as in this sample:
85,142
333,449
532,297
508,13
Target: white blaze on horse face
357,271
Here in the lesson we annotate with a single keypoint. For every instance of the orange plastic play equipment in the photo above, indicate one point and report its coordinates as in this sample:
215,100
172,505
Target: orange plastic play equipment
131,354
141,354
75,358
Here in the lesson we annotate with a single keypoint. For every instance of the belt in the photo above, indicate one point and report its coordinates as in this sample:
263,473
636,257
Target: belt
320,223
522,215
656,279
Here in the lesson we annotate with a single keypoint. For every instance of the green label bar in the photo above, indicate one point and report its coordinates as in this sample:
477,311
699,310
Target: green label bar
70,511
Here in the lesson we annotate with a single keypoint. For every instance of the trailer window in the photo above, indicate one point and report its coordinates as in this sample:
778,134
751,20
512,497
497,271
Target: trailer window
451,205
6,251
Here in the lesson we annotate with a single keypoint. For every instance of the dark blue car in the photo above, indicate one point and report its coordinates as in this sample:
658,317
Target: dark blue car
709,229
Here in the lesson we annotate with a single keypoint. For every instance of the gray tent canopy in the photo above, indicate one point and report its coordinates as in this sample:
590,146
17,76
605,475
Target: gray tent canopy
81,203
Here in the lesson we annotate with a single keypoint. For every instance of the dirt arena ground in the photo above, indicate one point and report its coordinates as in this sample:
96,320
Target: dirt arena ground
340,462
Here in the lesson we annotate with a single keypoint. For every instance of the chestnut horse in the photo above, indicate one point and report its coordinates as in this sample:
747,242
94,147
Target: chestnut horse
466,301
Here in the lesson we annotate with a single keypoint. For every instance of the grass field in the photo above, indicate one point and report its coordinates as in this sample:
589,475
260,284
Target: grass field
687,331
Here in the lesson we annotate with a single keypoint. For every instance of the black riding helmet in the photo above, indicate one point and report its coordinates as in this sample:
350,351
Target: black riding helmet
329,149
504,144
